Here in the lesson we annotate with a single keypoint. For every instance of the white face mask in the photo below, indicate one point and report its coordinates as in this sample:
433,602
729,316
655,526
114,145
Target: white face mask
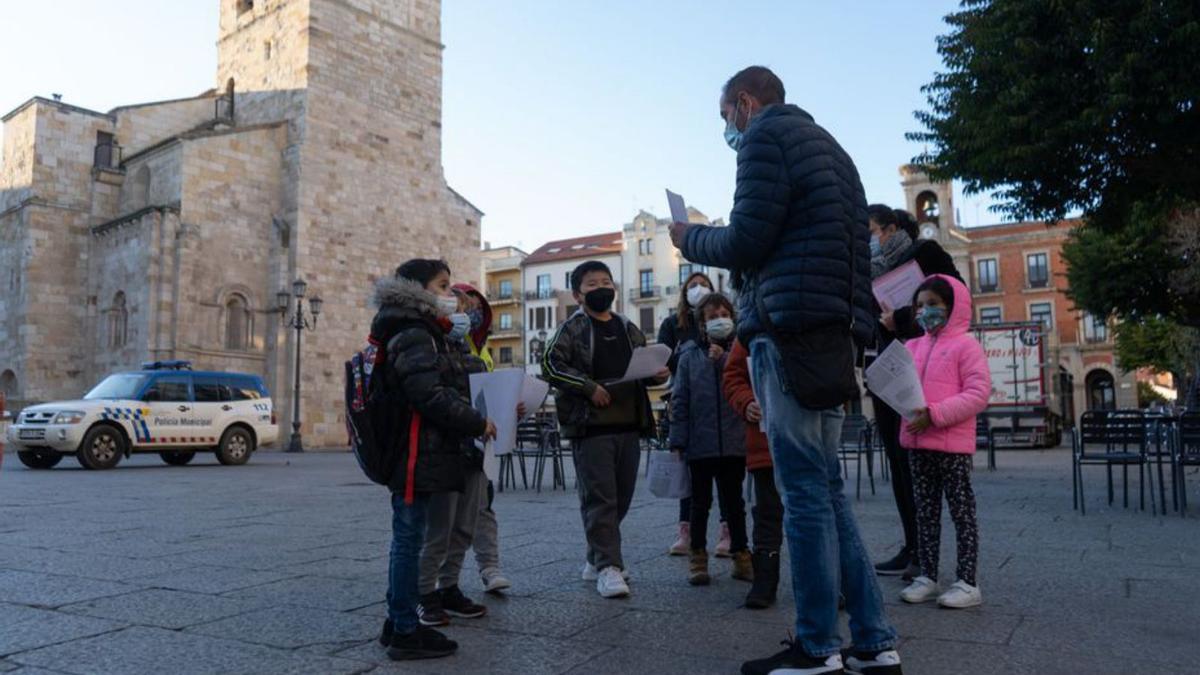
447,305
719,329
697,293
460,323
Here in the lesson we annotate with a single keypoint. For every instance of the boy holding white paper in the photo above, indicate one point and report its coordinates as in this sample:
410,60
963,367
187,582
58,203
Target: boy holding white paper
605,423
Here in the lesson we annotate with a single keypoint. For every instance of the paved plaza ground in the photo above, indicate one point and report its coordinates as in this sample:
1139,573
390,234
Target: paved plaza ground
279,567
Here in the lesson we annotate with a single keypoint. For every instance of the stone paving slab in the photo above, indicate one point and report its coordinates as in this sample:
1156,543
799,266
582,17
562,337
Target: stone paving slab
153,651
291,627
165,608
23,628
279,566
51,590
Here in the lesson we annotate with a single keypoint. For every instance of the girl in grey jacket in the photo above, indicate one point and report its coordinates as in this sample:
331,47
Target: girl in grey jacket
710,436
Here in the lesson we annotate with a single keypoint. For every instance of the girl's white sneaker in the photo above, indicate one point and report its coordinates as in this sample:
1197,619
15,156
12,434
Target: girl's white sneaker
922,589
960,596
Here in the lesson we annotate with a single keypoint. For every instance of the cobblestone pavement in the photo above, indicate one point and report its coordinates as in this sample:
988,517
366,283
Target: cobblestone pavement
279,566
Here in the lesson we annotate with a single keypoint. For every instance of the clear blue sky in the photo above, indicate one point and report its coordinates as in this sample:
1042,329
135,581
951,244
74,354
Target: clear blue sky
560,118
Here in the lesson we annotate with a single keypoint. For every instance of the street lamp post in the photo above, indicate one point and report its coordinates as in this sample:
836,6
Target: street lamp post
298,320
538,346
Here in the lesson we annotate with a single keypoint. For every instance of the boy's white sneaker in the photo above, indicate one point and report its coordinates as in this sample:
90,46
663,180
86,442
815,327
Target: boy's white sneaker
922,589
494,580
961,595
590,574
611,584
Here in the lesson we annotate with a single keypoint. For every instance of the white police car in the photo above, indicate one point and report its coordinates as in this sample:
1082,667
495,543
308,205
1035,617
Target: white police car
165,408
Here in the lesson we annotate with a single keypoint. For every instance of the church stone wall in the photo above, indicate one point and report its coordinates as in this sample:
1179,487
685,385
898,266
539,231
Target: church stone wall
142,126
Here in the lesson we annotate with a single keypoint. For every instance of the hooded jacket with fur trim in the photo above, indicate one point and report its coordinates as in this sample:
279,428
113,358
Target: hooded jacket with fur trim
439,415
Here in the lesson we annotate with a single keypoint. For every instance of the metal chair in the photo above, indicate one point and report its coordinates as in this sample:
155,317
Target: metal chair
1186,453
856,440
1110,438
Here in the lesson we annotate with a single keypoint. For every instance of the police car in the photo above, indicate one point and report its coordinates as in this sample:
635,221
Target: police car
166,408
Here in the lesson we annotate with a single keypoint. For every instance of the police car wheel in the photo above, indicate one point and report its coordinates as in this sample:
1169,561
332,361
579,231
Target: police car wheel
39,459
236,446
176,457
102,448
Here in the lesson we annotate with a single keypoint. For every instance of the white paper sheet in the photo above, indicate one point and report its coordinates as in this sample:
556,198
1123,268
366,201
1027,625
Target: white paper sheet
645,362
533,394
679,212
496,395
893,378
491,463
895,289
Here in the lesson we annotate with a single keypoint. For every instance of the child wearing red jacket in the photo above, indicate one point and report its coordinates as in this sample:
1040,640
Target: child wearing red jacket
768,508
941,437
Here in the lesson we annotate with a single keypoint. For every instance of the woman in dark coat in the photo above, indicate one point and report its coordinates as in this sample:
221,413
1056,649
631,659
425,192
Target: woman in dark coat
894,243
675,332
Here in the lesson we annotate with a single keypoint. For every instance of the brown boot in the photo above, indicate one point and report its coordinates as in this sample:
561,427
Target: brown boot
698,569
743,566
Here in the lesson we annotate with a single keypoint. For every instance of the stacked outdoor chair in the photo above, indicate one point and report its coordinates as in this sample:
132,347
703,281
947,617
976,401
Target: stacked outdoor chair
1186,454
857,441
538,439
1117,438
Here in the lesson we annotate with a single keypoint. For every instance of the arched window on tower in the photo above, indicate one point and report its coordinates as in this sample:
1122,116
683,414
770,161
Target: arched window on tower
928,209
239,328
118,322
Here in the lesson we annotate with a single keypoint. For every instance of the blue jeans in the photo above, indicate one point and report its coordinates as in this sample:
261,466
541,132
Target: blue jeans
826,550
408,533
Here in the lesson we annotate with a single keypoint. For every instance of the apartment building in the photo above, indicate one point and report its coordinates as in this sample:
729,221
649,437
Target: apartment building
546,281
504,287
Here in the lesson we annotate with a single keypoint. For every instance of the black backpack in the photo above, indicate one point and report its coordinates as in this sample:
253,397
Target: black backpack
376,415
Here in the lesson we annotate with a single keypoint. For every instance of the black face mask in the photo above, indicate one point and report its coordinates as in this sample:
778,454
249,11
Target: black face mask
599,299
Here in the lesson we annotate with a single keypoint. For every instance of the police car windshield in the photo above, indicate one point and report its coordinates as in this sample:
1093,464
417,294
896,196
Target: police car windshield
123,385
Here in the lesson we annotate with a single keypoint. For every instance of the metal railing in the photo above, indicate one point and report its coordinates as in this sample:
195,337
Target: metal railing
494,295
540,294
645,293
107,156
513,327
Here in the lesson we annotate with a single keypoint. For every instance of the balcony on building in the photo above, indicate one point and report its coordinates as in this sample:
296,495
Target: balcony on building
513,330
510,263
645,293
541,294
496,297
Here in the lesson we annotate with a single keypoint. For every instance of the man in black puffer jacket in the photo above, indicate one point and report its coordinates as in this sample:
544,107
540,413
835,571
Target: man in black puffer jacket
798,245
438,419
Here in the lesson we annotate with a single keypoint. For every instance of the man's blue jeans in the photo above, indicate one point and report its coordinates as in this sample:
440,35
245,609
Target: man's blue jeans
408,533
826,550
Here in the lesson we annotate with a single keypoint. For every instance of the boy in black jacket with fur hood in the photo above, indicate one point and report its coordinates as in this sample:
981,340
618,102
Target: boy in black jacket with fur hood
411,325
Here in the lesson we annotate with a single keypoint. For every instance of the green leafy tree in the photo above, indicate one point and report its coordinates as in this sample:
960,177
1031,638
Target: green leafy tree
1085,106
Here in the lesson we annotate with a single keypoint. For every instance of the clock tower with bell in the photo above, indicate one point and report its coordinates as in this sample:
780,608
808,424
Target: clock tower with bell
932,202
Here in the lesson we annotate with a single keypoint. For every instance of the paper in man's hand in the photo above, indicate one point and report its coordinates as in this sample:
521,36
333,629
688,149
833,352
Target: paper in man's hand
679,212
896,288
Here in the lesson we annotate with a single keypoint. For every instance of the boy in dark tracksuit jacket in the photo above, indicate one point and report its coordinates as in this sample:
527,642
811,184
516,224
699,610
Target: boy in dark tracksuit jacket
439,419
604,422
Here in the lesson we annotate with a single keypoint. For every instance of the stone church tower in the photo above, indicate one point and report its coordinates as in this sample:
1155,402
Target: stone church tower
932,202
316,156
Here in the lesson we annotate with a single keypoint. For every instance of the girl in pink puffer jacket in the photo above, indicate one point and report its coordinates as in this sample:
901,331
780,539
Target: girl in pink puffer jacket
941,437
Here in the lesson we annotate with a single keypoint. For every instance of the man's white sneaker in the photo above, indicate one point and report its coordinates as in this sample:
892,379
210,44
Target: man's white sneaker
961,595
590,574
886,662
922,589
494,580
610,583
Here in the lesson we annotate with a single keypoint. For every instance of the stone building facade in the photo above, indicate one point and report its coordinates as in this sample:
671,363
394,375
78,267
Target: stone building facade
165,230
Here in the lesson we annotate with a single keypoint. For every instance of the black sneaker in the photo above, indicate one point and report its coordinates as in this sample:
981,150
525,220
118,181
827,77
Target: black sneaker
423,643
457,604
385,637
886,662
794,661
431,611
896,565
